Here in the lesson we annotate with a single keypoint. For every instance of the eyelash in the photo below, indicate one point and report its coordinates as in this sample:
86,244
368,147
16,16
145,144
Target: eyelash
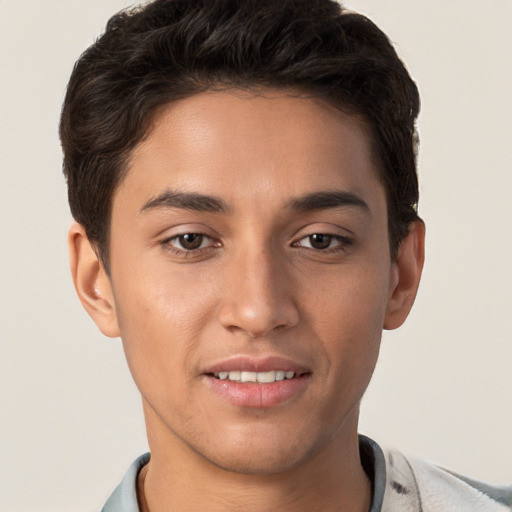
167,243
343,243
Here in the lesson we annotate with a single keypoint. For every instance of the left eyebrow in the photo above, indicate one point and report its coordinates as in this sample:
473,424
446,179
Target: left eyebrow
327,199
186,201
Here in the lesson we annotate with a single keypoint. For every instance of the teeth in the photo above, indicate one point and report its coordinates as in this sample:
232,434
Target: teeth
249,377
262,377
266,376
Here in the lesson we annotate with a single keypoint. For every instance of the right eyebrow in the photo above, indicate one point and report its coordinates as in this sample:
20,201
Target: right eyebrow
186,201
325,199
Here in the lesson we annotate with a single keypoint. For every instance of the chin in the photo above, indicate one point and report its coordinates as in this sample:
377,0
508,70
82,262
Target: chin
256,464
261,455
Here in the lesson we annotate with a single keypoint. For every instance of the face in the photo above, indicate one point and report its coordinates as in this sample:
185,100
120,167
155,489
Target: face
249,243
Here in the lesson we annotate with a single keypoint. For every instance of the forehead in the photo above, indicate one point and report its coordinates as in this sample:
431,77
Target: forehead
252,146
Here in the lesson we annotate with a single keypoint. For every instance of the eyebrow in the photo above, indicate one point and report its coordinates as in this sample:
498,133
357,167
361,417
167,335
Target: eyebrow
327,199
187,201
205,203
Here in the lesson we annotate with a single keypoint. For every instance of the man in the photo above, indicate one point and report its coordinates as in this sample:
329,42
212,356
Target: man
243,178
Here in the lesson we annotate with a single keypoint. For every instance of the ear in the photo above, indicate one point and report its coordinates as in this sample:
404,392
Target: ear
406,275
91,281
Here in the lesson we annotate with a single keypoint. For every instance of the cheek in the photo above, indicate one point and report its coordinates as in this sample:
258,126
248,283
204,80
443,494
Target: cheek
351,302
348,319
161,318
159,299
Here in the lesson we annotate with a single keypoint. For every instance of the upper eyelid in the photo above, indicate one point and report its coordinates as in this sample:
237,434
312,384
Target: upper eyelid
175,237
178,230
340,238
167,241
337,232
324,228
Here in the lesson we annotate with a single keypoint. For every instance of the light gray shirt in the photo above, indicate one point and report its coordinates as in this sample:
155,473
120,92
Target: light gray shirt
399,484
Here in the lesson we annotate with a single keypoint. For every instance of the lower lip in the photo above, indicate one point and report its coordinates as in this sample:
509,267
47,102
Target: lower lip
257,395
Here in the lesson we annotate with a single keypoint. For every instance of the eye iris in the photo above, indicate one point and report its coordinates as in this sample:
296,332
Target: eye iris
319,241
191,241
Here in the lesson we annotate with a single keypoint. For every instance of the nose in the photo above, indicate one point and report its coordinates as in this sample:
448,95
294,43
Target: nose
257,296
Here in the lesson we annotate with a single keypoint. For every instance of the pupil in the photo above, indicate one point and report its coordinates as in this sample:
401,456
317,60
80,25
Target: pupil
191,241
319,241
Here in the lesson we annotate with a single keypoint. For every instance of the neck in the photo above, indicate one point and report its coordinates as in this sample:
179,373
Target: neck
181,480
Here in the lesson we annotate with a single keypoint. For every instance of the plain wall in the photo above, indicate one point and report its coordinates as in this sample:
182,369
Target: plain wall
71,416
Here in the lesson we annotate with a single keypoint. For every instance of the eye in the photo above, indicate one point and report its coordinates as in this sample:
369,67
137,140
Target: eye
324,242
319,241
188,242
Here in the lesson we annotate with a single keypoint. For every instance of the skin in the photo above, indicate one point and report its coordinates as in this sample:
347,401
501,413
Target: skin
257,286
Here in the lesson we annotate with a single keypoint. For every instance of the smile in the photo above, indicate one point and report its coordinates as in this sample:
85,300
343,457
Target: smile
244,388
259,377
245,381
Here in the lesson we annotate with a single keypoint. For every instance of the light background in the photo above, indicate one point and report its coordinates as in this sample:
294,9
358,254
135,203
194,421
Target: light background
71,419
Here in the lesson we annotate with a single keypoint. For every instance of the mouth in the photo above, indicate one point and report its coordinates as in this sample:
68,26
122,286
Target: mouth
258,377
257,382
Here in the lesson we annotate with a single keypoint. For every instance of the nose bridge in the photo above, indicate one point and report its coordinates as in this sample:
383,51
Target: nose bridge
258,293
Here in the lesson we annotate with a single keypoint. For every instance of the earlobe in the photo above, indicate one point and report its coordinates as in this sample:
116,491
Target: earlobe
91,281
406,275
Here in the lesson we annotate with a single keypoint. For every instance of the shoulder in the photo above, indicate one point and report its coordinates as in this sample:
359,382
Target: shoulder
416,485
124,497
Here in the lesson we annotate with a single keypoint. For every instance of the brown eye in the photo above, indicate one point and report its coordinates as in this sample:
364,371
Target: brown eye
191,241
325,242
191,244
320,241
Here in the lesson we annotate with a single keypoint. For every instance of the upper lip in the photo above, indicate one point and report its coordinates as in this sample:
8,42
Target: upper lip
256,364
